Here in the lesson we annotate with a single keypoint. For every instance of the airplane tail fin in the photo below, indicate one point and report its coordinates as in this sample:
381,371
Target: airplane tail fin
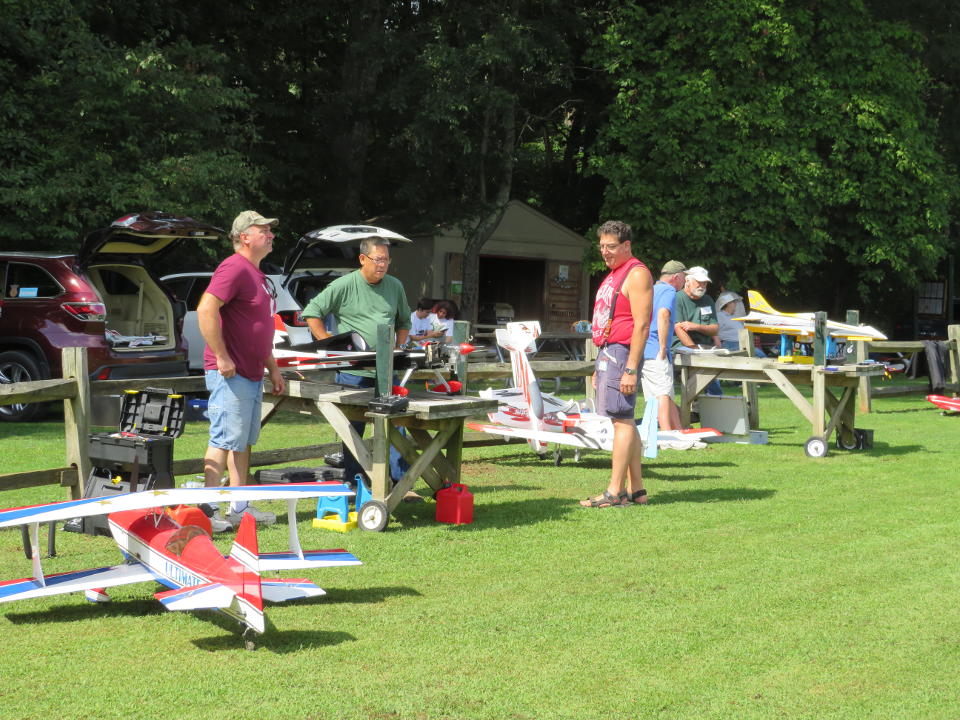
759,303
280,334
248,602
518,338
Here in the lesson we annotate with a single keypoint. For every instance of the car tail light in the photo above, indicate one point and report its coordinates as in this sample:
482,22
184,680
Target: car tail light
104,374
86,311
293,318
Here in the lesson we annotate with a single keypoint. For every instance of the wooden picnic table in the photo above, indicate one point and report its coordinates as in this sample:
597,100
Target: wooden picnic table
433,444
825,411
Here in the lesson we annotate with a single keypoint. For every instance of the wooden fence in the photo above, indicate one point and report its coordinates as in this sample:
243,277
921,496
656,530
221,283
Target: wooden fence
75,389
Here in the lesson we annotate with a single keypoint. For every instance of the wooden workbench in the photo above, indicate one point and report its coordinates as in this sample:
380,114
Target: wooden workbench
433,444
825,411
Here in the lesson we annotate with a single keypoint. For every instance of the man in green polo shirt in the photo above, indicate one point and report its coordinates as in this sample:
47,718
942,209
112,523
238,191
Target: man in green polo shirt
361,301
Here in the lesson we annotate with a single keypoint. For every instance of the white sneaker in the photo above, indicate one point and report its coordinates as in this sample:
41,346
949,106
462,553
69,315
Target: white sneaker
261,516
219,525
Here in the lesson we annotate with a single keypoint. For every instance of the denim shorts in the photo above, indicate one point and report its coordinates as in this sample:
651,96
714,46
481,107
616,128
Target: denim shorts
609,369
234,410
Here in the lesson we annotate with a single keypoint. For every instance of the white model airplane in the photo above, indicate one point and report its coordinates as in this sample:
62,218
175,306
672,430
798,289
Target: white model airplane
542,419
157,549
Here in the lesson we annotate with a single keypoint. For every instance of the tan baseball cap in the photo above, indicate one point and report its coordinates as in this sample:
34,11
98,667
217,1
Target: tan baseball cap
672,267
244,220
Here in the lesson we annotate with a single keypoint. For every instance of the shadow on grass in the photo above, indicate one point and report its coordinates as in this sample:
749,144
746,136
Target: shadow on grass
280,642
880,448
716,495
364,595
86,610
527,512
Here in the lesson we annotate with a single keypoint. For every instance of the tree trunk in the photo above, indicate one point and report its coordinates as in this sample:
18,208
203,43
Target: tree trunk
491,214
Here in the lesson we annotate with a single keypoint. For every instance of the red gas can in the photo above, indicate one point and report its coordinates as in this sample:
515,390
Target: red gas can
455,505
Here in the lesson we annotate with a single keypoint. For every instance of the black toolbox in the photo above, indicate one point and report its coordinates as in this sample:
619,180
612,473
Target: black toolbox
271,476
140,455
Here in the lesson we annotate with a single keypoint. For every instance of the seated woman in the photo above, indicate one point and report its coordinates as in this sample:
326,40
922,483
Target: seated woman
446,312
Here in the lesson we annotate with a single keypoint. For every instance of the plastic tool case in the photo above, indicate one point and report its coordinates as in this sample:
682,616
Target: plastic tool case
140,455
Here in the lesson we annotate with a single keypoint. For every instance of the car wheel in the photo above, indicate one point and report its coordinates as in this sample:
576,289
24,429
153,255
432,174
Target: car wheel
18,367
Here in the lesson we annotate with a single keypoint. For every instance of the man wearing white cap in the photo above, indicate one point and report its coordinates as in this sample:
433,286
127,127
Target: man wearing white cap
235,315
695,316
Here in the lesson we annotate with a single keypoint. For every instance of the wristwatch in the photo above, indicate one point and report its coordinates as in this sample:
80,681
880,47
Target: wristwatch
630,371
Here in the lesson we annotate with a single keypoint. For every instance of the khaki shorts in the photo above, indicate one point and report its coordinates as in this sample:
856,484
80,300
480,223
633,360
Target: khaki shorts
656,378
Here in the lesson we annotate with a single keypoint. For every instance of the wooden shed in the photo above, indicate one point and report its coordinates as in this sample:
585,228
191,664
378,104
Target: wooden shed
531,262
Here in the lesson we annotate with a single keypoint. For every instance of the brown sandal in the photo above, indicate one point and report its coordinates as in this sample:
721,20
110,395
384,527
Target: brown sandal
606,500
637,497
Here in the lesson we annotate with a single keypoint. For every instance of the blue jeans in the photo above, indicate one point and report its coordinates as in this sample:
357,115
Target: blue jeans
351,468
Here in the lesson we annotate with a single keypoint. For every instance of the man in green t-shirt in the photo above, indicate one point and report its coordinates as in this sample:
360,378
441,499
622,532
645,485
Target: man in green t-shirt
695,317
361,301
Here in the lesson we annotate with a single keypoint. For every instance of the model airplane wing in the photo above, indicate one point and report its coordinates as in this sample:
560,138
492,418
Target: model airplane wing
62,583
289,589
310,559
86,507
599,437
950,404
514,398
574,438
207,596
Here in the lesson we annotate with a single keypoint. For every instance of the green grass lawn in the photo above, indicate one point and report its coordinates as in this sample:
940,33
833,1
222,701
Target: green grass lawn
758,583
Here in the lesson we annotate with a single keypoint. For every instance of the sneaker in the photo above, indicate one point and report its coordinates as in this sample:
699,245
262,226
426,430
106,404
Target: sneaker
219,525
261,516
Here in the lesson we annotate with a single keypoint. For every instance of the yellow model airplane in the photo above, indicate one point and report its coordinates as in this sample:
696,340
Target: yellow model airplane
763,318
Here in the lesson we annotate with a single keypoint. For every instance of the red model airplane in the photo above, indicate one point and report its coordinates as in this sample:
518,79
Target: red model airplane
158,549
949,404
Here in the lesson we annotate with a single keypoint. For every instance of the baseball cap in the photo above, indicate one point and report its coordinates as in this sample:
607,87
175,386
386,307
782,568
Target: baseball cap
672,267
699,274
244,220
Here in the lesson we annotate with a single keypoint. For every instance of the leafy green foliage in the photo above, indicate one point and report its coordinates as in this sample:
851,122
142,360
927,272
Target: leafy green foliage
90,129
775,143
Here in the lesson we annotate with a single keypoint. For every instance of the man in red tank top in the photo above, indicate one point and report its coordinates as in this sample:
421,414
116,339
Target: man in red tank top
621,323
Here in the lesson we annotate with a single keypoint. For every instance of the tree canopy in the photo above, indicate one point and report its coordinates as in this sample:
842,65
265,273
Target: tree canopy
806,146
780,144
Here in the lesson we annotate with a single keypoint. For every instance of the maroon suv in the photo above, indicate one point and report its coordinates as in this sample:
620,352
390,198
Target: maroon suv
103,298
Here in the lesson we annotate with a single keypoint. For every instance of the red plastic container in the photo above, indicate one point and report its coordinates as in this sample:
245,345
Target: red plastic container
455,505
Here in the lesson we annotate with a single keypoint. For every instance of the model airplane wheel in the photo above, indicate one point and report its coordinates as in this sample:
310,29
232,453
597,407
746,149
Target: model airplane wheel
373,516
576,455
557,457
815,447
855,443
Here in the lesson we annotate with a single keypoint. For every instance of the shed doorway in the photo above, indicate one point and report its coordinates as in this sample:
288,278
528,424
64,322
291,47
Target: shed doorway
517,281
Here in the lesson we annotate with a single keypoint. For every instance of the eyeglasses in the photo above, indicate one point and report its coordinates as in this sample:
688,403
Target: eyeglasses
609,247
382,260
270,287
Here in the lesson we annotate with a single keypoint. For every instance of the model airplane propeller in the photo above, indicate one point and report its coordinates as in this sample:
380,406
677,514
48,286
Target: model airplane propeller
348,350
157,548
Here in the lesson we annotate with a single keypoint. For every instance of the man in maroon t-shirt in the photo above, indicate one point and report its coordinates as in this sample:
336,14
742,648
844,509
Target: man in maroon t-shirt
236,319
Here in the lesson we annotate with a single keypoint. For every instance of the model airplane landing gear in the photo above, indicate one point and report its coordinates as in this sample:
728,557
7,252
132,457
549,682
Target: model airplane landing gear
557,457
815,447
248,639
373,516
